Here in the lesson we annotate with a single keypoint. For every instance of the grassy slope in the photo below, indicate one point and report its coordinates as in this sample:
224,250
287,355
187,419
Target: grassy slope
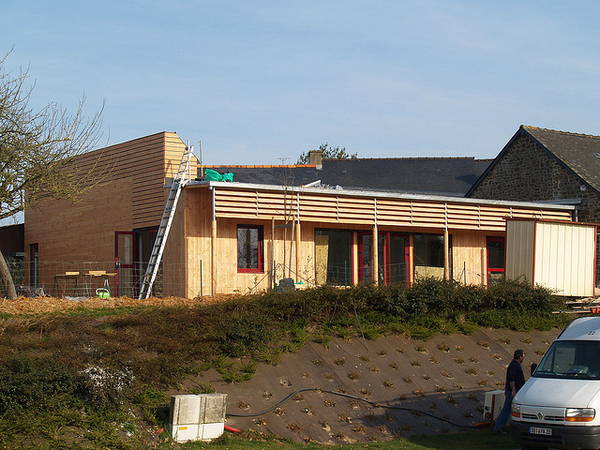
95,378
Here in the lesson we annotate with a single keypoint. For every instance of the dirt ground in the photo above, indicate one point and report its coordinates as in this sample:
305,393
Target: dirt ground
39,305
446,376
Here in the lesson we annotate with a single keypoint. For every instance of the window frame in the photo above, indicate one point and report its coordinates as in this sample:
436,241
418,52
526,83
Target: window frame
489,269
260,249
350,249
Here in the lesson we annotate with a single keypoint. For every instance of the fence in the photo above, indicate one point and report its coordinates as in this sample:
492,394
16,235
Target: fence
83,278
77,278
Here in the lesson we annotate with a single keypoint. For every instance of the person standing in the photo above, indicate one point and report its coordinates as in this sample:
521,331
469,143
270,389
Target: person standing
514,381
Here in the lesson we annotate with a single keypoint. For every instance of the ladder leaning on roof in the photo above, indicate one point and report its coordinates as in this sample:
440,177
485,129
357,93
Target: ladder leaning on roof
179,181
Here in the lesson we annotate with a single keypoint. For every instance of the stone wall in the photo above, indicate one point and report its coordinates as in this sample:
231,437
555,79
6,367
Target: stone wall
528,172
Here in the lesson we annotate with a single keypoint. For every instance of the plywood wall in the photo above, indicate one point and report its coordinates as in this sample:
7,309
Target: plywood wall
564,258
467,248
467,251
128,192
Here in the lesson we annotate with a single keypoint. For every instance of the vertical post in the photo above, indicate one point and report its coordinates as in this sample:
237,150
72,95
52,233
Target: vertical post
201,279
272,252
298,251
213,245
375,256
213,256
483,274
411,259
446,251
201,159
355,267
292,239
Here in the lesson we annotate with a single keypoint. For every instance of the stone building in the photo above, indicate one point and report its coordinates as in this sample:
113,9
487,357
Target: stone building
539,164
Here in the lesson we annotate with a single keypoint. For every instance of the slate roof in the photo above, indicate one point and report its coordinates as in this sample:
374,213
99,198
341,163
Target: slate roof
442,176
448,176
278,175
580,152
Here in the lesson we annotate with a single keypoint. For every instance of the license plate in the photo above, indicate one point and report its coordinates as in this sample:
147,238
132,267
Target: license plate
539,430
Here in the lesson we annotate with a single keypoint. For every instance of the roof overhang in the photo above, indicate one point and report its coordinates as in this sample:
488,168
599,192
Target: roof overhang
378,194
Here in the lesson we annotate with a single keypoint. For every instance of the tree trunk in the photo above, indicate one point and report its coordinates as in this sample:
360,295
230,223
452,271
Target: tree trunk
7,277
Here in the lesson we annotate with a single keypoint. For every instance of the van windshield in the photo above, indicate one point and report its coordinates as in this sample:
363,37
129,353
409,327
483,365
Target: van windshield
571,359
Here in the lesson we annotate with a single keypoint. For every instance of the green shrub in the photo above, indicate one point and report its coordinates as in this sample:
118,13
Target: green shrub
29,382
244,333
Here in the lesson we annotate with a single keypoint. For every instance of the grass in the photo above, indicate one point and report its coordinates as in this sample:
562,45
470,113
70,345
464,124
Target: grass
96,377
472,440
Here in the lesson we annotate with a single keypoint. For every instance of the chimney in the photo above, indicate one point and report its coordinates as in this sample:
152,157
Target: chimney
316,157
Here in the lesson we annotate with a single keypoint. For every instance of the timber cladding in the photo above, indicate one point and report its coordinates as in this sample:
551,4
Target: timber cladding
288,255
128,193
384,210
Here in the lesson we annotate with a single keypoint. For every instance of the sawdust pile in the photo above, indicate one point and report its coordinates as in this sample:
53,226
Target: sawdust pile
38,305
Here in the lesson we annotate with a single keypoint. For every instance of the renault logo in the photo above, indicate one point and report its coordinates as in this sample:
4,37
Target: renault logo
540,416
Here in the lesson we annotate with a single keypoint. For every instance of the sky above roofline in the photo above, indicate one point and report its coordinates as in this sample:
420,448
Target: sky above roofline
261,82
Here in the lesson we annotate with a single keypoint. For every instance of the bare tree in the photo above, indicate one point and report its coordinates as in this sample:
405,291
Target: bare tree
39,150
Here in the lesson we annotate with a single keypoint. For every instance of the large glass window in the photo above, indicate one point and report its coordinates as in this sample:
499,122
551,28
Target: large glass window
397,259
250,248
333,257
429,255
571,359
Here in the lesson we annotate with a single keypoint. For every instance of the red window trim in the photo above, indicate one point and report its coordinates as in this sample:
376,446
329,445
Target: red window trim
260,268
386,254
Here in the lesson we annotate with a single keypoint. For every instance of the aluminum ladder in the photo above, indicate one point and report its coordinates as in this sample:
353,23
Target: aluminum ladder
179,181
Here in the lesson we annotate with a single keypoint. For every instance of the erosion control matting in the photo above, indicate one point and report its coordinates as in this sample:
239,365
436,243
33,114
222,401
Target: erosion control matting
446,376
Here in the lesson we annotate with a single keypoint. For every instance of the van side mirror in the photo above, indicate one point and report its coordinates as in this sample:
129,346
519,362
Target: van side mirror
533,367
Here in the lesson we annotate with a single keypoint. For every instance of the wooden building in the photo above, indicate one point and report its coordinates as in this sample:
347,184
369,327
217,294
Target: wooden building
115,221
237,237
246,237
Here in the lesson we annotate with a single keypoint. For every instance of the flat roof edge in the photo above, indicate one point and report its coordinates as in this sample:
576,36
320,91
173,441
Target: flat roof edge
372,194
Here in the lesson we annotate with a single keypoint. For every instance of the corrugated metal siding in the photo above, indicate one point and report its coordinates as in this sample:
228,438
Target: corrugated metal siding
519,249
564,258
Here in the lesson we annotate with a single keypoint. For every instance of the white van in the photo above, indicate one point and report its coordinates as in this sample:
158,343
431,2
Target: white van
559,406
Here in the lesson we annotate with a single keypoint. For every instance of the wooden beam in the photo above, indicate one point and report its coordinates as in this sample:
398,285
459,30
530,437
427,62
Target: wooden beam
272,265
213,244
483,267
298,251
411,259
355,267
375,257
213,256
446,251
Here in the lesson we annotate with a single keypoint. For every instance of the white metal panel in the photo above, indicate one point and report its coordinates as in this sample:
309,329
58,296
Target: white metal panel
519,249
564,258
493,402
197,417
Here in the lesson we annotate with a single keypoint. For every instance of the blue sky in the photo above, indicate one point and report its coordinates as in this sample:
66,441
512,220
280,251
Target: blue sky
262,80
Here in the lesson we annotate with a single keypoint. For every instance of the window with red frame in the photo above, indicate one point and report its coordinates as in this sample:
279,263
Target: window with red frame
496,259
250,248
